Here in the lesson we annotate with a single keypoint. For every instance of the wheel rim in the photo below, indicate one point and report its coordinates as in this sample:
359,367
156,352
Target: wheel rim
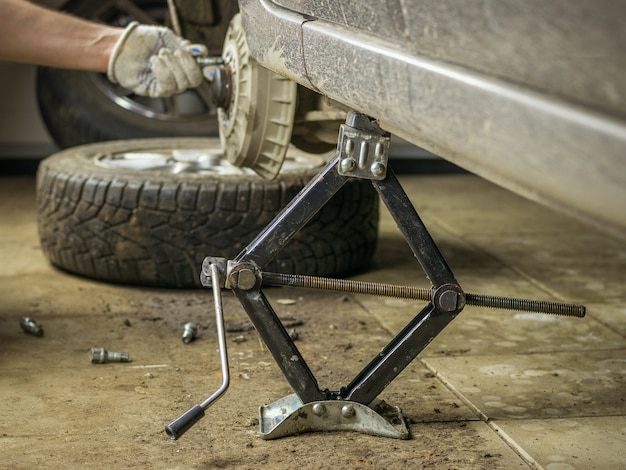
193,105
198,160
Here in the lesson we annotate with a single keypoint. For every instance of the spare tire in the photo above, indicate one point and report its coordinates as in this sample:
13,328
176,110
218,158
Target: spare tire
148,211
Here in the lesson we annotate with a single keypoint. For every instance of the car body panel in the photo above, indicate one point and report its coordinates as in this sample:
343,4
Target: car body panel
528,96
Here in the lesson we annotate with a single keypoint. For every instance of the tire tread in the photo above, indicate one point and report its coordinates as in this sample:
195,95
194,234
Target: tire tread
133,229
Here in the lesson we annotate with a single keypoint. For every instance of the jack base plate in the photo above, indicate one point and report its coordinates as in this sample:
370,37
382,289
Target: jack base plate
289,416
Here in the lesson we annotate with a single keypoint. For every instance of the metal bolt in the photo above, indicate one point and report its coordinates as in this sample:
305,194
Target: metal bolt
448,301
208,61
30,326
378,169
348,164
246,279
347,411
102,356
319,409
189,332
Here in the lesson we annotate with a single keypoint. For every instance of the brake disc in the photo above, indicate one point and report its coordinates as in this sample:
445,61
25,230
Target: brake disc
256,120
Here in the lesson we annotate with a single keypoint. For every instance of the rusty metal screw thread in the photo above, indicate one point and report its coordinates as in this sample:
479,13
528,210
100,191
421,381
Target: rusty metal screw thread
346,285
419,293
541,306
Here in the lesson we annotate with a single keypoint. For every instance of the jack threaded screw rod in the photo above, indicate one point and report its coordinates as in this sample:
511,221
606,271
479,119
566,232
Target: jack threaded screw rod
419,293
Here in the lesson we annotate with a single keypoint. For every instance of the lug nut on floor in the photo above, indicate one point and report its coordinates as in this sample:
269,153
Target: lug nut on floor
190,330
102,356
30,326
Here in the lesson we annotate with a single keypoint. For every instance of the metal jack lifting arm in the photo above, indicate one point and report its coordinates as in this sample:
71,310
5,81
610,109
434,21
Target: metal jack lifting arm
448,298
362,152
361,141
245,280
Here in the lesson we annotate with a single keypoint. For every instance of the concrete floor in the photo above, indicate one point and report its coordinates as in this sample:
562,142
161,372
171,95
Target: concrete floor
496,389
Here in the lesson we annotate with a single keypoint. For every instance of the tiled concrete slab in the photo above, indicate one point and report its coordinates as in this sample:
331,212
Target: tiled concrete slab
610,313
567,444
126,405
551,387
587,265
470,446
564,384
482,330
473,206
20,251
478,330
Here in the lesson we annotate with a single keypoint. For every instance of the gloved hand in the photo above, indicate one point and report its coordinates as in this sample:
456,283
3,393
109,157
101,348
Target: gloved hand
153,61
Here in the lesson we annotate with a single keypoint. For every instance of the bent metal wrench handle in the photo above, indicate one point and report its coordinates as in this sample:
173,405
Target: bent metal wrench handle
180,425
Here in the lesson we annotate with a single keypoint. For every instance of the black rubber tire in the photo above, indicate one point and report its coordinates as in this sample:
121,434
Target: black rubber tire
150,228
76,112
83,107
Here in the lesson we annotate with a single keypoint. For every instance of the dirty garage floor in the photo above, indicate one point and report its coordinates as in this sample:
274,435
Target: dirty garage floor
496,389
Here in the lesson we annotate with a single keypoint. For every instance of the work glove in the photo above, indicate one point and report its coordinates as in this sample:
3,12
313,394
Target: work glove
153,61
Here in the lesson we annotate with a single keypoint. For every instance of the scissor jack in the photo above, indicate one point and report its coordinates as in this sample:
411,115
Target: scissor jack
362,152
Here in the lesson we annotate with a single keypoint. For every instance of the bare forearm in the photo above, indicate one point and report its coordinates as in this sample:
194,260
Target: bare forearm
35,35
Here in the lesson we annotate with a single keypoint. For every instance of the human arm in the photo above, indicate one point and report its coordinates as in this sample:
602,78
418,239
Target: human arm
36,35
149,60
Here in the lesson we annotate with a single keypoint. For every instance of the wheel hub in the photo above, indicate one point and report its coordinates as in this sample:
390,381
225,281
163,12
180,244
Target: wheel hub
257,107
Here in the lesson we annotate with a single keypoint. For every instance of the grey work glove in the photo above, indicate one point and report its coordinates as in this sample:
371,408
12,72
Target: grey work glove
153,61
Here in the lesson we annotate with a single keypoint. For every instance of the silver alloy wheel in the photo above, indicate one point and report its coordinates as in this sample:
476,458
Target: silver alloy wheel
148,211
192,105
80,107
203,161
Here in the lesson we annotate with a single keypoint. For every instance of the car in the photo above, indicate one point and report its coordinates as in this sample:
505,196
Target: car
529,95
101,130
